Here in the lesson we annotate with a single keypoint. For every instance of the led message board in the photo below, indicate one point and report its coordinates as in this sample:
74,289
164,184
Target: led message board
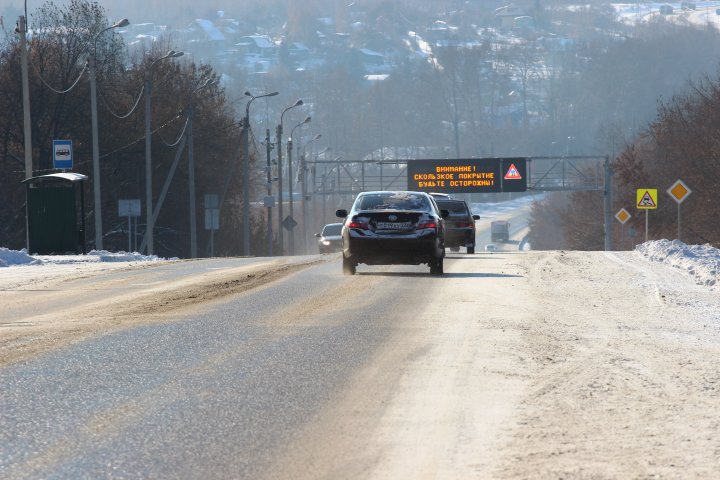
468,175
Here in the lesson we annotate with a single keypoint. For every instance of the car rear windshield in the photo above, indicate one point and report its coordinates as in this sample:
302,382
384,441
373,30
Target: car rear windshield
455,207
334,229
394,201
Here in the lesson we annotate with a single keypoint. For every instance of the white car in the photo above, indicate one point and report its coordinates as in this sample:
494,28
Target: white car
491,247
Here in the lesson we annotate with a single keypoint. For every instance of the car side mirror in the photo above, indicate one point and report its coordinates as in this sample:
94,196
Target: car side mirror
341,213
476,217
317,235
444,213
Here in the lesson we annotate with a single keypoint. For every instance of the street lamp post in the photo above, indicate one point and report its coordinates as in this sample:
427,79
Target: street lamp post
246,171
303,185
148,152
269,233
278,141
92,63
567,145
290,179
191,168
27,128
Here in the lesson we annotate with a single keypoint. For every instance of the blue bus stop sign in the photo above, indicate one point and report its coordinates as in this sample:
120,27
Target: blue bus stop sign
62,154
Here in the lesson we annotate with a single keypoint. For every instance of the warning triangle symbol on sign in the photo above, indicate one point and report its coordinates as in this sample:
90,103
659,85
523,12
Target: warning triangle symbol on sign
512,173
646,201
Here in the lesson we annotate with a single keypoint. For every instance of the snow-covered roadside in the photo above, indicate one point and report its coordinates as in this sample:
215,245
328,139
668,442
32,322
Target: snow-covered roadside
21,257
700,261
22,270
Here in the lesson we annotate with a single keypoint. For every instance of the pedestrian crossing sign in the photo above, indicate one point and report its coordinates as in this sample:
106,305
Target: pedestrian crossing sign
647,198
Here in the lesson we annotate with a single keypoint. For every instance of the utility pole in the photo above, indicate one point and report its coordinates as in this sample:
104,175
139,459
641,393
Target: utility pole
246,181
148,151
22,30
97,203
279,134
150,224
191,184
278,143
290,178
608,204
290,193
303,185
268,147
246,170
97,198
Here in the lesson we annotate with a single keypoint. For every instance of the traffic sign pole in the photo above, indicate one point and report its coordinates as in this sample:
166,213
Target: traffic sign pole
647,199
679,192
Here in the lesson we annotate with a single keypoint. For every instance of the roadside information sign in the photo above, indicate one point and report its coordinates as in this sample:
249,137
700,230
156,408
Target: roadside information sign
679,191
289,223
647,198
129,208
468,175
62,154
622,216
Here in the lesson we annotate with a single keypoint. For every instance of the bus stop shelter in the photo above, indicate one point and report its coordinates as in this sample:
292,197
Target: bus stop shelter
55,213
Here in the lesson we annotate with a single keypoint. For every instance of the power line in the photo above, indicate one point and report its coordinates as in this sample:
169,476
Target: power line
134,107
61,92
182,134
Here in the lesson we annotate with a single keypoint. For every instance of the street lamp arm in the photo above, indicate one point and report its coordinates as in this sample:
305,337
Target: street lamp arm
308,119
119,24
253,97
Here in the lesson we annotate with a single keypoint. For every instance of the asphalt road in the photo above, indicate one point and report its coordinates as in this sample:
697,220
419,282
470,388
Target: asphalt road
216,393
211,393
509,365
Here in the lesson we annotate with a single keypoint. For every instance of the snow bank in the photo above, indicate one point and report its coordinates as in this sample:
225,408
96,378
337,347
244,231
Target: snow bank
700,261
15,257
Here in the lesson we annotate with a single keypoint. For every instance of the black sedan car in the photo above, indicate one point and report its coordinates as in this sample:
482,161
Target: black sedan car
330,240
459,225
388,228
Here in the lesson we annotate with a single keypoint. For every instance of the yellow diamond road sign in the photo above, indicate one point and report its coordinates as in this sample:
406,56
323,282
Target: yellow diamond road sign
622,216
679,191
647,198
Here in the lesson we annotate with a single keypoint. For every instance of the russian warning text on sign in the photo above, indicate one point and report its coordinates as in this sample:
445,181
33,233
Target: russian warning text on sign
475,175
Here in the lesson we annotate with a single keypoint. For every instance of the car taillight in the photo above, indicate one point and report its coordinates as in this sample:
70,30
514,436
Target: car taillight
423,225
359,225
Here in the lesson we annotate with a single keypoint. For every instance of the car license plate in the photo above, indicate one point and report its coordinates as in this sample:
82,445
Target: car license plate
393,225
